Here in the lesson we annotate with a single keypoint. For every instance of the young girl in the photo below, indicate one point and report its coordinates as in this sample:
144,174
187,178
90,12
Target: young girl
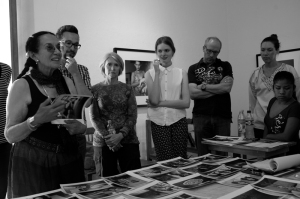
168,98
283,113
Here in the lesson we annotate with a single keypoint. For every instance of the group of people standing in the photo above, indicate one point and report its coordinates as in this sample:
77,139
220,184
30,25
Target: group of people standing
45,155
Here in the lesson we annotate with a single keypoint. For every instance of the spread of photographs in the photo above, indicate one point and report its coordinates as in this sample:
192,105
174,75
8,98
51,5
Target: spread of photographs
240,180
200,167
128,179
210,158
112,190
172,175
221,172
84,186
152,171
249,192
155,189
177,162
192,181
183,195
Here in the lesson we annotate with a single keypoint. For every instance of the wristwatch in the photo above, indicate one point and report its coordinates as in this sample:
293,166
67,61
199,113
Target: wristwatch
203,87
31,125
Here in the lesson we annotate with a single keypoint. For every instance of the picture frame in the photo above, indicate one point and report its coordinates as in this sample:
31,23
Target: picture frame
134,59
290,57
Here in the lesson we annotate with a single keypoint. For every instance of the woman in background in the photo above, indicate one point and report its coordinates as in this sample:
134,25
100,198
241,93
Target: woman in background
137,79
261,82
114,101
282,120
44,155
168,93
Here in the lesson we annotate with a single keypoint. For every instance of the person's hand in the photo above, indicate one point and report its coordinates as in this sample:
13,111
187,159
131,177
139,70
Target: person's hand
74,127
142,81
97,153
48,112
113,140
156,65
149,104
71,65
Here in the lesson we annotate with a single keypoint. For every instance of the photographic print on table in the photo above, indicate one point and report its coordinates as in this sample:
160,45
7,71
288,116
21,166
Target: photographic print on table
192,181
105,192
84,186
248,192
127,180
154,189
292,174
200,168
238,163
221,172
183,195
133,59
290,57
55,194
172,175
240,180
177,162
278,185
210,158
152,171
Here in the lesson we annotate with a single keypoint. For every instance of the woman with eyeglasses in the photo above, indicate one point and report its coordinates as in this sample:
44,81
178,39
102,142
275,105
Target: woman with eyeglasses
261,82
44,155
169,96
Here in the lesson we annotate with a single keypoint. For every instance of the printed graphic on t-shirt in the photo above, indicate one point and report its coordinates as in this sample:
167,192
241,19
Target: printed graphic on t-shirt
209,75
279,122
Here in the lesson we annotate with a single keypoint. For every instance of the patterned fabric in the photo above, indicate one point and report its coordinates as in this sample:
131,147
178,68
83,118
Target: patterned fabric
118,104
261,92
277,123
171,87
5,76
170,141
84,72
217,105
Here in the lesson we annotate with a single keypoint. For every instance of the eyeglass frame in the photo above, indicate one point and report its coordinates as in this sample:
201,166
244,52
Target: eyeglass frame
77,46
208,51
51,48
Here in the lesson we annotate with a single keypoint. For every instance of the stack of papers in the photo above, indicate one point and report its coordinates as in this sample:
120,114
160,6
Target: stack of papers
227,140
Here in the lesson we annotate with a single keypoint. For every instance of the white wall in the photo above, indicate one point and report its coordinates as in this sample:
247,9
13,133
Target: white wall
240,24
5,49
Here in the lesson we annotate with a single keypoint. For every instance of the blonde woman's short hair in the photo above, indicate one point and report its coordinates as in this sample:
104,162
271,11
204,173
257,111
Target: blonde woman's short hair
116,57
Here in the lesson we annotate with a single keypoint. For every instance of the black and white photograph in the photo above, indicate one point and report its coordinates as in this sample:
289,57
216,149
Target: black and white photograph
128,180
210,158
154,189
105,192
177,162
152,171
238,163
183,195
221,172
84,186
201,167
172,175
240,180
192,181
54,194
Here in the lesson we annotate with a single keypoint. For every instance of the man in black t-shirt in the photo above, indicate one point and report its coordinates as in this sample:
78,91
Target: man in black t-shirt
210,82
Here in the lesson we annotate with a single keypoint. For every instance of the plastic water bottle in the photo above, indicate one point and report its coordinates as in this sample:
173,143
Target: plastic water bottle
110,128
241,124
249,125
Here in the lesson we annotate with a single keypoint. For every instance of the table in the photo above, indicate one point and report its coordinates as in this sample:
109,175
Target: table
259,153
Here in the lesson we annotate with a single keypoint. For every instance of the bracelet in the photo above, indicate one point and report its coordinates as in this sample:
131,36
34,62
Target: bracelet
30,126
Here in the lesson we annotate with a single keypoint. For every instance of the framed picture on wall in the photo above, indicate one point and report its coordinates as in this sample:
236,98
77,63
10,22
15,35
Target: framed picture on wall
137,63
290,57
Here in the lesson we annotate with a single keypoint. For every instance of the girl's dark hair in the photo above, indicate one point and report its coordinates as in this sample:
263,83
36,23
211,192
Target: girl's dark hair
32,45
273,39
166,40
285,75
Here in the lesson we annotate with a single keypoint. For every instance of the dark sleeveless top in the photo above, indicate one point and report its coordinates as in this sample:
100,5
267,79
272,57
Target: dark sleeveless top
47,132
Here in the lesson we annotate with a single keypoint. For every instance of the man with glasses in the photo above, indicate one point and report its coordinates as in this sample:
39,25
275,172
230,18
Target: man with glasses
210,83
69,45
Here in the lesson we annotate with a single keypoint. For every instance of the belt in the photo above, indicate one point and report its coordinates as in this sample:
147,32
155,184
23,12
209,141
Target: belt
56,148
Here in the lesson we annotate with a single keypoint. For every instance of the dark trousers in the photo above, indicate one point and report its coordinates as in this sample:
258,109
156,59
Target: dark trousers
170,141
4,155
127,158
207,127
81,146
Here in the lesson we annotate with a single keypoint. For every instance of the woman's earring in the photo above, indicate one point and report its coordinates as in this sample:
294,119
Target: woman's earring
37,61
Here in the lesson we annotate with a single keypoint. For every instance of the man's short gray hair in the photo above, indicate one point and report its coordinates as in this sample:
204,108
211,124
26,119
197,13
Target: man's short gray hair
214,38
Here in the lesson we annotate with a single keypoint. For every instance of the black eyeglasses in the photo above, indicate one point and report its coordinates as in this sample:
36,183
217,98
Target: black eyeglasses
69,44
51,48
211,51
